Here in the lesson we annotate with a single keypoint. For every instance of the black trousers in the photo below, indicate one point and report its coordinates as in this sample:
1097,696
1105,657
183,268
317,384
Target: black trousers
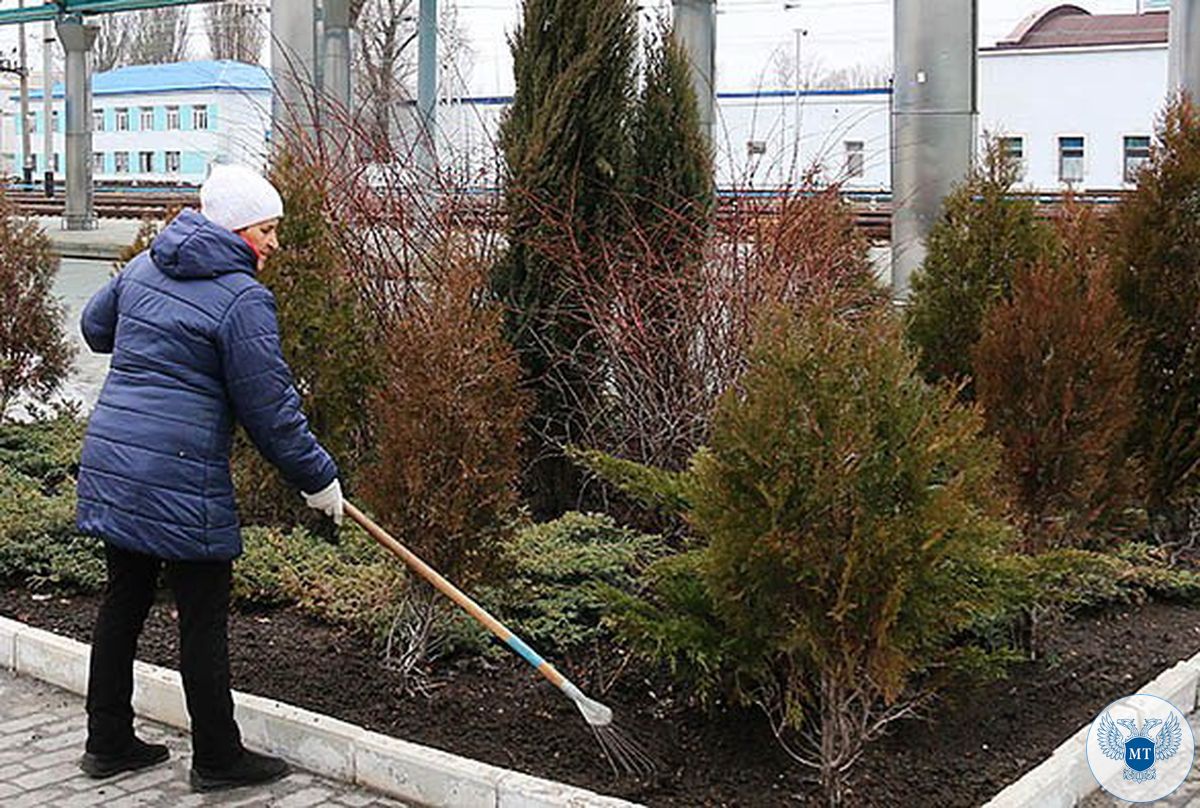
202,597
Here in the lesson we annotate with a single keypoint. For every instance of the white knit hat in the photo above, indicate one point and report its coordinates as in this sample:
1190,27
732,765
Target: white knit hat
235,196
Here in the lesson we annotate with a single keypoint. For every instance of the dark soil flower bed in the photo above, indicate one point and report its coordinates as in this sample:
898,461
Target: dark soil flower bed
973,743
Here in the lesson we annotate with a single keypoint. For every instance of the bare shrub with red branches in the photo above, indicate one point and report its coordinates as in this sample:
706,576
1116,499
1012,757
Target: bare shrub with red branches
665,374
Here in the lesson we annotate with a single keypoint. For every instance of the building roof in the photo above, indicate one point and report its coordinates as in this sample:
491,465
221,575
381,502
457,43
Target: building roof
1069,26
175,77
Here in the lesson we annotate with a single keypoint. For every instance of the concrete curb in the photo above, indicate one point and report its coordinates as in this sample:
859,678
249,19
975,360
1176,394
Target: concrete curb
318,743
1064,779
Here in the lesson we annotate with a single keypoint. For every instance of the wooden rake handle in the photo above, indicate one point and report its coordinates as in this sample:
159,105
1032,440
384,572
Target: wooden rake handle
455,594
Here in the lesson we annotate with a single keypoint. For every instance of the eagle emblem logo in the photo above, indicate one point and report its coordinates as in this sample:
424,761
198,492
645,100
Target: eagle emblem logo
1140,748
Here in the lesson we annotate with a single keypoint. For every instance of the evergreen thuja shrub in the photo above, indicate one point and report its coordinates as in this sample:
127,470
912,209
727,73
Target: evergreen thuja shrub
845,514
1055,371
1156,260
984,237
327,339
447,423
35,353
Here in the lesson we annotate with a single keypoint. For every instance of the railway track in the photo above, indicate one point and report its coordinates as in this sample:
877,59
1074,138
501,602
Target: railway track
108,204
874,219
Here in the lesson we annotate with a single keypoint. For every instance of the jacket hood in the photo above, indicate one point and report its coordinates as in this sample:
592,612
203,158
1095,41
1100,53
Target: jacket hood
193,247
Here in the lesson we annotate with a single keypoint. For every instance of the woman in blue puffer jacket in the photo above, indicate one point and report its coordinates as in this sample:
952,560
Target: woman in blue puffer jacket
195,348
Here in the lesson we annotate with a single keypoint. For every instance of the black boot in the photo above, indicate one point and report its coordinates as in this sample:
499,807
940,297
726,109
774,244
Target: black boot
251,769
138,756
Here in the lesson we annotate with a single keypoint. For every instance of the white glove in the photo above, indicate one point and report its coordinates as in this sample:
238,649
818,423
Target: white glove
328,500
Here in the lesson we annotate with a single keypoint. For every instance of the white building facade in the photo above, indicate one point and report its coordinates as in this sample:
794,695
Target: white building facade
1075,96
163,123
763,139
769,139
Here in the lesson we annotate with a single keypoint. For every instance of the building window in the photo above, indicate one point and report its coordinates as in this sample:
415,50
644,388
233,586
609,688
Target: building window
145,162
172,162
122,119
200,117
98,162
56,168
1012,149
755,148
1070,159
97,120
172,118
1137,154
121,162
854,158
146,124
54,120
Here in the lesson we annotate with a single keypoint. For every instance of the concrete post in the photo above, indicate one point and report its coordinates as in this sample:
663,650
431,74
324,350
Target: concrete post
77,40
696,28
336,52
933,120
293,68
1184,54
427,72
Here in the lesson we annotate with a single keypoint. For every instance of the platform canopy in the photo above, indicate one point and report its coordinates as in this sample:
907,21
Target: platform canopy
59,8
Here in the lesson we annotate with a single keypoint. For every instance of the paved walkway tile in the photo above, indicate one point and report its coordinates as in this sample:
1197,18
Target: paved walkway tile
42,731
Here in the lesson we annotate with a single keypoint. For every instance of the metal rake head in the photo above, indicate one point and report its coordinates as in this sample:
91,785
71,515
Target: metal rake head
625,755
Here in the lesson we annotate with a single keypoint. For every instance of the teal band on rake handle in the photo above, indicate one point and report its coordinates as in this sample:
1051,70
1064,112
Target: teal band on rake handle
527,653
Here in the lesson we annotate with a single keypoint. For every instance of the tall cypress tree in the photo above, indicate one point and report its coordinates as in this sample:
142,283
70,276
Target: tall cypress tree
673,171
671,206
567,149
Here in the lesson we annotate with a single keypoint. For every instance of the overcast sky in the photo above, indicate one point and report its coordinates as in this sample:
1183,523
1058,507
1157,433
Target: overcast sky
841,33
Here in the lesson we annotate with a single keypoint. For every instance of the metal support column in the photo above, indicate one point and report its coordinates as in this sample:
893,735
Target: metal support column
427,72
48,43
77,40
696,28
293,68
933,120
26,140
1184,54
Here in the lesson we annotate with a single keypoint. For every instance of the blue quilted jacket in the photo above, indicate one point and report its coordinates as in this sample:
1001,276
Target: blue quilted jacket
195,346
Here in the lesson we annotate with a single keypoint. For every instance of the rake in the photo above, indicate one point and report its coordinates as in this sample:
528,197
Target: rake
623,754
